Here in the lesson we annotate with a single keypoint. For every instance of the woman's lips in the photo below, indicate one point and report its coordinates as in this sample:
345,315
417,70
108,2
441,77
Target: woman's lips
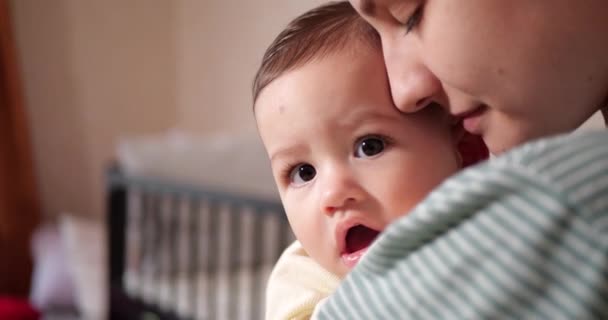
471,120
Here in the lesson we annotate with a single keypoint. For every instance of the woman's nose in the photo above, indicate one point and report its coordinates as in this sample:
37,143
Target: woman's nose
339,189
412,84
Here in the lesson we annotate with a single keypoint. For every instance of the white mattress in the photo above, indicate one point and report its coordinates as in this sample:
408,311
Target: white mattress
230,162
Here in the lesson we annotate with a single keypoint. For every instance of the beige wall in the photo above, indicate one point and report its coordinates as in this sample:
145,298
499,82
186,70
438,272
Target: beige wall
220,45
92,71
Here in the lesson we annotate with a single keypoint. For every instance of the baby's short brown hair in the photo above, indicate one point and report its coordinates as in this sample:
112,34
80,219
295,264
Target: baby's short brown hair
321,31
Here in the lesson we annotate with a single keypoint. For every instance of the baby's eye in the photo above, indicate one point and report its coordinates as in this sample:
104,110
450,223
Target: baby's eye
369,147
302,174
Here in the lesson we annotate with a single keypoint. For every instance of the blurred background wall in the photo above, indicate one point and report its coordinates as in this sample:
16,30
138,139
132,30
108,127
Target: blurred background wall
95,71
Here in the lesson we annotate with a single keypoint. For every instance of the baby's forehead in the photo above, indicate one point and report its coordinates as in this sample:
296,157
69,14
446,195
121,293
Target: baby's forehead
324,30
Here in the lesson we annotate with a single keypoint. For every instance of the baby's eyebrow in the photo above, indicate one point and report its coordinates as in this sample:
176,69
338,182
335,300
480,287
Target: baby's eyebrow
285,152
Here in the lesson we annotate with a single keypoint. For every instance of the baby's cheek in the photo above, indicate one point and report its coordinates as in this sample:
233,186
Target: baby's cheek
408,195
305,227
403,203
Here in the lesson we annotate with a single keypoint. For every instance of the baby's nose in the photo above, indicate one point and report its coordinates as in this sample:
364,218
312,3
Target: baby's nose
338,190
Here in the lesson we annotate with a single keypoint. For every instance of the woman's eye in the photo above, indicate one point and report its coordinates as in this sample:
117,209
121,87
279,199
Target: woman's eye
302,174
369,147
413,20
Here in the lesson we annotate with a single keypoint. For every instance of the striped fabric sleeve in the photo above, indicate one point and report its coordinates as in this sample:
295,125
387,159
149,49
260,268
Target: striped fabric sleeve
522,236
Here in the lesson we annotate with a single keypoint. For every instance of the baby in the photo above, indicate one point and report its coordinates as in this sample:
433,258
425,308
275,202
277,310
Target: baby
345,160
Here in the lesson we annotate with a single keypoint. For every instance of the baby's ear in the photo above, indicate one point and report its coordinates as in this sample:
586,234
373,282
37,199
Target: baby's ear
472,149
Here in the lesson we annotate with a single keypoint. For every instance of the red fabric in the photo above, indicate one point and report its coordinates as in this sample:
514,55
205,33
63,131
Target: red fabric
17,309
472,149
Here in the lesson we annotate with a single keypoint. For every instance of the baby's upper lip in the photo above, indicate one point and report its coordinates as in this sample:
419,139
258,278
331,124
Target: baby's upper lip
342,229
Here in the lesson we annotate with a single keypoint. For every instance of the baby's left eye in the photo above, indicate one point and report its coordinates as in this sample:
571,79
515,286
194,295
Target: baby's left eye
369,147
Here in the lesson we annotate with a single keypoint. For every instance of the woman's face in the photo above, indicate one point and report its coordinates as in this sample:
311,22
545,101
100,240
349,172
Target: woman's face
513,70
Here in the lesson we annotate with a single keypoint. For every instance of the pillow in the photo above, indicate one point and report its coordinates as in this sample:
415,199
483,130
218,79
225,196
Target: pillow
52,285
85,244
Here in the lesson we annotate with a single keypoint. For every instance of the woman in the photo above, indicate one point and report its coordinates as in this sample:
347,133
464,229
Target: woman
513,70
525,235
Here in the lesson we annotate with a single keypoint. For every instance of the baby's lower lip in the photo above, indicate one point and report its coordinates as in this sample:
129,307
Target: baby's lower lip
351,259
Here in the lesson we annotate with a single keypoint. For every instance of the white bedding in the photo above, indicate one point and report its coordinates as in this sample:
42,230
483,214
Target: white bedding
231,162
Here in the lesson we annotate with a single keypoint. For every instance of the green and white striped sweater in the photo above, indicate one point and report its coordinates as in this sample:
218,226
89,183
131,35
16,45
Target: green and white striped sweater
524,236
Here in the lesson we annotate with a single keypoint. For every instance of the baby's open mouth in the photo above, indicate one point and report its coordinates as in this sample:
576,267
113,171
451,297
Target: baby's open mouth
358,239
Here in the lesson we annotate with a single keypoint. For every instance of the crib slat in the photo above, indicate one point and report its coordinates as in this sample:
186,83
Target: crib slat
160,249
283,239
144,244
172,247
117,221
235,255
156,239
193,263
212,258
258,254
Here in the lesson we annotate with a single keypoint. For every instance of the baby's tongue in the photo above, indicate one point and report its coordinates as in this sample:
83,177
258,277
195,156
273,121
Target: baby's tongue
359,237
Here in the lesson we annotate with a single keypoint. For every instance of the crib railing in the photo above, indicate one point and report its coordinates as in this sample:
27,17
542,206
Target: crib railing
182,252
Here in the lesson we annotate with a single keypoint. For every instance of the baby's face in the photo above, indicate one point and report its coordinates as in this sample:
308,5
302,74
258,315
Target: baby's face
345,160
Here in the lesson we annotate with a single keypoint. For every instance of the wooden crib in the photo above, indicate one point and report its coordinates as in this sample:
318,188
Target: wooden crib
184,252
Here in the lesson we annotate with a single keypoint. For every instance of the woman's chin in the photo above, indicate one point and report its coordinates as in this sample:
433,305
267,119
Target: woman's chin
503,140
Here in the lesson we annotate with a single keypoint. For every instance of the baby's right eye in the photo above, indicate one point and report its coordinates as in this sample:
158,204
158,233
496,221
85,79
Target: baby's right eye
302,173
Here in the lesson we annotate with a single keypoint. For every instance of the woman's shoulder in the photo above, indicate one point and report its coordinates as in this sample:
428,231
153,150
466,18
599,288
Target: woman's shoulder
547,154
571,169
575,164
